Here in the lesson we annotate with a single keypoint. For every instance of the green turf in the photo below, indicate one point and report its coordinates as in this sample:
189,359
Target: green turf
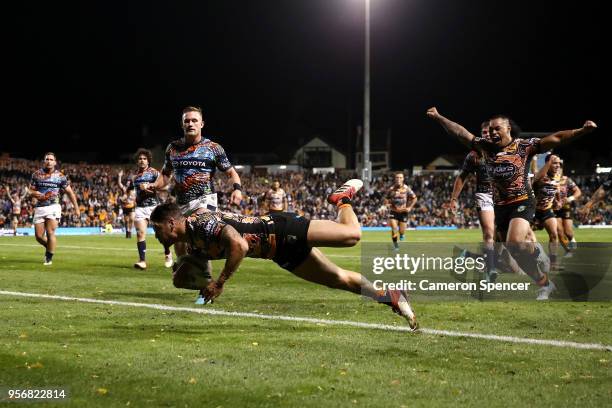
115,355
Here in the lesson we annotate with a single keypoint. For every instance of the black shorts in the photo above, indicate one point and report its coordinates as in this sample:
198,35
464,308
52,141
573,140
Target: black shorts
127,211
504,213
399,216
292,247
564,213
543,215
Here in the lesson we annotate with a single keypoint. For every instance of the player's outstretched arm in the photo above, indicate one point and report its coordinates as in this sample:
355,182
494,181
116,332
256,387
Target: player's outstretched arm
236,249
451,127
8,194
566,136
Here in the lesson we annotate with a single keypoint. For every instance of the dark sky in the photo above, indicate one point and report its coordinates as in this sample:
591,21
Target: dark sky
91,76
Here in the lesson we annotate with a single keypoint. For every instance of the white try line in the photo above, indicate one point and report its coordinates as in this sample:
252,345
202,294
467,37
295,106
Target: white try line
214,312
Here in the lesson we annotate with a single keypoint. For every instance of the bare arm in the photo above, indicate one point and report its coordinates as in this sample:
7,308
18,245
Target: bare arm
411,202
236,249
234,177
457,188
8,194
119,177
566,136
542,172
73,200
452,128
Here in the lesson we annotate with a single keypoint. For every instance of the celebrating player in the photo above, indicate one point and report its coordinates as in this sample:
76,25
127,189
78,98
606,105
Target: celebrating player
15,200
507,160
45,187
569,192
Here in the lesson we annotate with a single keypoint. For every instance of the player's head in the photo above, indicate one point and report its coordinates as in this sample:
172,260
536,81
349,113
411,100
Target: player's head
143,158
398,179
484,129
192,121
276,184
49,161
556,164
502,130
165,220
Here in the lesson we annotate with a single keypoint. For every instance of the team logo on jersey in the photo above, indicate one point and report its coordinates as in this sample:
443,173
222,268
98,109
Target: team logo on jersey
521,208
504,171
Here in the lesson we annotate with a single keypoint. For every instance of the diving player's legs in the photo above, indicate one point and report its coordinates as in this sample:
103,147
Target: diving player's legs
346,232
317,268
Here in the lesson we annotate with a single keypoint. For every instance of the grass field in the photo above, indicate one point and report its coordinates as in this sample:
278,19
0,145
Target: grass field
122,355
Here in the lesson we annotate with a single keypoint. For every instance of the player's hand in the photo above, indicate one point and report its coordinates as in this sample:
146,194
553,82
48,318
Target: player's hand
236,197
77,211
589,126
213,291
433,113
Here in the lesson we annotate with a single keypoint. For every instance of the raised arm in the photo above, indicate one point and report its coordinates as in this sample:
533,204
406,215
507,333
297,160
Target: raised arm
542,172
566,136
236,249
119,177
8,194
451,127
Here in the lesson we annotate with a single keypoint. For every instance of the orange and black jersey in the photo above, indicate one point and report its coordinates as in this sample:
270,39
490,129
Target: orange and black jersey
546,191
567,187
509,168
475,163
204,231
399,196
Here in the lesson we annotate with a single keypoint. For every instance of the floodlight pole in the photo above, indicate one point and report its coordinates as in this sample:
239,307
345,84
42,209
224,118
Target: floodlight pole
367,165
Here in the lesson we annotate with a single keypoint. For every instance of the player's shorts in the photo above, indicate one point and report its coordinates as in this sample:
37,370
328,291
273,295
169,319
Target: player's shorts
564,213
128,211
292,247
48,212
484,202
208,201
399,216
504,213
543,215
144,213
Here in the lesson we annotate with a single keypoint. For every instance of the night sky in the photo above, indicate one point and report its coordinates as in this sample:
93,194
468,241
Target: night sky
110,77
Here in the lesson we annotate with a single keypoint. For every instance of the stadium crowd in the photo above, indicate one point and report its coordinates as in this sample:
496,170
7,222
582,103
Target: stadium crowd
97,192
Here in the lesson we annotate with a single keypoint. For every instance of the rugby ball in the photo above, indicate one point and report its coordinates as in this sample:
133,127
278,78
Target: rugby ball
191,272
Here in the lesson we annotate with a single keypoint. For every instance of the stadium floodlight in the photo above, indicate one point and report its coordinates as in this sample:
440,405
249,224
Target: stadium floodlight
367,165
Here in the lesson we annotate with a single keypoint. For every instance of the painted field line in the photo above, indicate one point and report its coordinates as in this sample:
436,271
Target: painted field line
214,312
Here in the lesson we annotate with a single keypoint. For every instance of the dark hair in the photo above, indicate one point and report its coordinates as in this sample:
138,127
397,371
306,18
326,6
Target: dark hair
164,211
144,152
515,129
50,153
484,124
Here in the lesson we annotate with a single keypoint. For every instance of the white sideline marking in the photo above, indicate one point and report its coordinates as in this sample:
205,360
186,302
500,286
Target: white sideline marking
510,339
134,249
